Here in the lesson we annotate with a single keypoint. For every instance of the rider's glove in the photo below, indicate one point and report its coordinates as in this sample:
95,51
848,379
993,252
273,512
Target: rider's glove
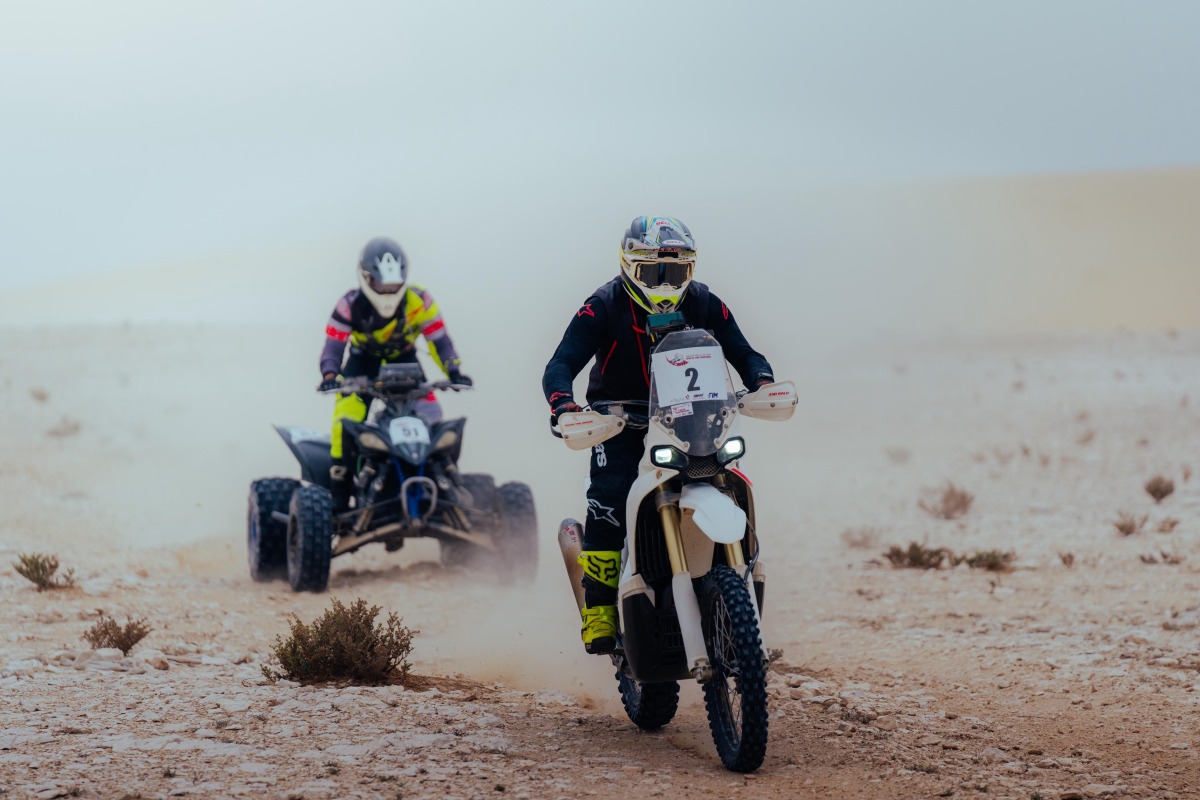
564,406
458,379
330,383
761,380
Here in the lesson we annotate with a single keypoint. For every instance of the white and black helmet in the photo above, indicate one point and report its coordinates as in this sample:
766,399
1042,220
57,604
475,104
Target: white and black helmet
383,273
658,258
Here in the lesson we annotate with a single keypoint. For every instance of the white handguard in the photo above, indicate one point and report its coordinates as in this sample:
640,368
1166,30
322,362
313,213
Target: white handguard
774,401
583,429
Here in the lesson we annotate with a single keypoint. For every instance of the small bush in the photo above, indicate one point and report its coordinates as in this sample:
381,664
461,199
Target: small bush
1160,487
1087,437
1127,524
864,538
1068,559
1167,525
1167,558
949,502
40,568
344,644
918,556
107,633
992,560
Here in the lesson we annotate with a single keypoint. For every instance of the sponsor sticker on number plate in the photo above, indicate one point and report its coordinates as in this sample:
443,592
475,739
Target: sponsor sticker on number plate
681,410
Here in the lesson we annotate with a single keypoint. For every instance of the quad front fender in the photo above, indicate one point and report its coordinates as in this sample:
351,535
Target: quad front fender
714,512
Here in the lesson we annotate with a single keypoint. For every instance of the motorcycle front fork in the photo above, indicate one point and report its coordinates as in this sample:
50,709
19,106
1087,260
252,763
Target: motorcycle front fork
686,603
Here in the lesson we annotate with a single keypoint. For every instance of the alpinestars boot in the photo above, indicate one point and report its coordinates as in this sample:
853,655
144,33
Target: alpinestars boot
601,569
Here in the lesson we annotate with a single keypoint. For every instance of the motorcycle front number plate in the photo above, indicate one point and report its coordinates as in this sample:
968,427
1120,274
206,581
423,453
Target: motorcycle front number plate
689,374
408,430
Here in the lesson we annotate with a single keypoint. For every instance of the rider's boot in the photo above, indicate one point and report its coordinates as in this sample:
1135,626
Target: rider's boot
339,486
601,570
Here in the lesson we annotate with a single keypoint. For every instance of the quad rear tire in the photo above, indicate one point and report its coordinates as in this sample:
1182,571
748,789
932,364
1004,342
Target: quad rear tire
455,552
736,697
309,538
266,537
649,705
516,538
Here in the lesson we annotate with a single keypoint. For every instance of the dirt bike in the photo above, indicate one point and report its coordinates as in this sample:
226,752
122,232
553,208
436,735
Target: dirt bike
691,582
406,484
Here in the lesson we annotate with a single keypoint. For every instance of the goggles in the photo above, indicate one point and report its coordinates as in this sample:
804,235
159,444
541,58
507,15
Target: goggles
379,287
651,274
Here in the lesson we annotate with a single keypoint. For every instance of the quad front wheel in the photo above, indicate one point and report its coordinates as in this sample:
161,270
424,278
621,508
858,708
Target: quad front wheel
266,537
310,538
516,537
736,696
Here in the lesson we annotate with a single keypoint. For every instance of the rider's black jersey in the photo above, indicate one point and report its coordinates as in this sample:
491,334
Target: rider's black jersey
611,327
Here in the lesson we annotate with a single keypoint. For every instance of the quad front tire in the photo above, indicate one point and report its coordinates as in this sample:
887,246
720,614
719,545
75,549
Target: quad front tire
266,537
736,697
309,538
458,553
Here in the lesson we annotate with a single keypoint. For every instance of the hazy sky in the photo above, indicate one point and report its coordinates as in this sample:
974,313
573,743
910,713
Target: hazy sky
138,131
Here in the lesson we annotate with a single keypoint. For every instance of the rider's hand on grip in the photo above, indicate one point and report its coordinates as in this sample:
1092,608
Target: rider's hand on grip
330,383
459,379
563,407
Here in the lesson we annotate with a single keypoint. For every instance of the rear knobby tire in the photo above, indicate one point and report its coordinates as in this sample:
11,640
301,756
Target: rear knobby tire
310,538
266,537
649,705
736,697
457,553
516,537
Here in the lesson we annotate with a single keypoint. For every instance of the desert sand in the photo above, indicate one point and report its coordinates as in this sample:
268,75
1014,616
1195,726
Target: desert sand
128,450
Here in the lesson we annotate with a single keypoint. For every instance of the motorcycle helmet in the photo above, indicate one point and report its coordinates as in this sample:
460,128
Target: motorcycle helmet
658,257
382,273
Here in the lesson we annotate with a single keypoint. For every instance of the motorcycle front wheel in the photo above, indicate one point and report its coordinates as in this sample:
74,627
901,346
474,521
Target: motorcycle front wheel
736,697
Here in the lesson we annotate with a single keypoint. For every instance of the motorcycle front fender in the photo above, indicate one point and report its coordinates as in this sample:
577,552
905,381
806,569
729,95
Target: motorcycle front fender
714,512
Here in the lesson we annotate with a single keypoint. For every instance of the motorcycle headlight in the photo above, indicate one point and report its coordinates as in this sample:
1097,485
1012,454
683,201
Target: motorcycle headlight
373,441
732,450
667,456
447,439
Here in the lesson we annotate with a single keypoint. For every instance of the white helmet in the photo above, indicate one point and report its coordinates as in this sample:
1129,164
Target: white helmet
382,273
658,257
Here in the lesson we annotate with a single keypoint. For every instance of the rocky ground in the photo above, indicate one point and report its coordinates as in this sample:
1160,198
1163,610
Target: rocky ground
1075,674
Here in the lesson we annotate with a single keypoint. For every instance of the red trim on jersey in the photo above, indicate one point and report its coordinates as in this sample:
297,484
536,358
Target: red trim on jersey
434,327
336,333
611,350
641,350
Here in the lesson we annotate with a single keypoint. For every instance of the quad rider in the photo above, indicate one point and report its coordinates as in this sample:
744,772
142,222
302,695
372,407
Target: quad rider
381,321
658,257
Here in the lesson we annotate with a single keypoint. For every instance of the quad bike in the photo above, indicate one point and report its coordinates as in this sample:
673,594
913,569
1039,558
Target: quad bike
407,484
691,583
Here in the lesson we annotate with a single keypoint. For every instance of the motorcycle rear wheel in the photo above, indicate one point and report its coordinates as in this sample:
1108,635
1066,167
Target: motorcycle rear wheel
736,697
650,706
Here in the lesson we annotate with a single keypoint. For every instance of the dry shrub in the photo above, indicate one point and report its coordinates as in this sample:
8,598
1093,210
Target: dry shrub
40,569
1167,525
107,633
66,427
1160,487
1087,437
344,644
1166,558
992,560
918,556
949,502
1128,524
1187,473
39,394
1068,559
898,455
864,538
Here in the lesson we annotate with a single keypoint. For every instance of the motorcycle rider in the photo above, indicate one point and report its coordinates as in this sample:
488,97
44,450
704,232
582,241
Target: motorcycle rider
658,257
381,321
